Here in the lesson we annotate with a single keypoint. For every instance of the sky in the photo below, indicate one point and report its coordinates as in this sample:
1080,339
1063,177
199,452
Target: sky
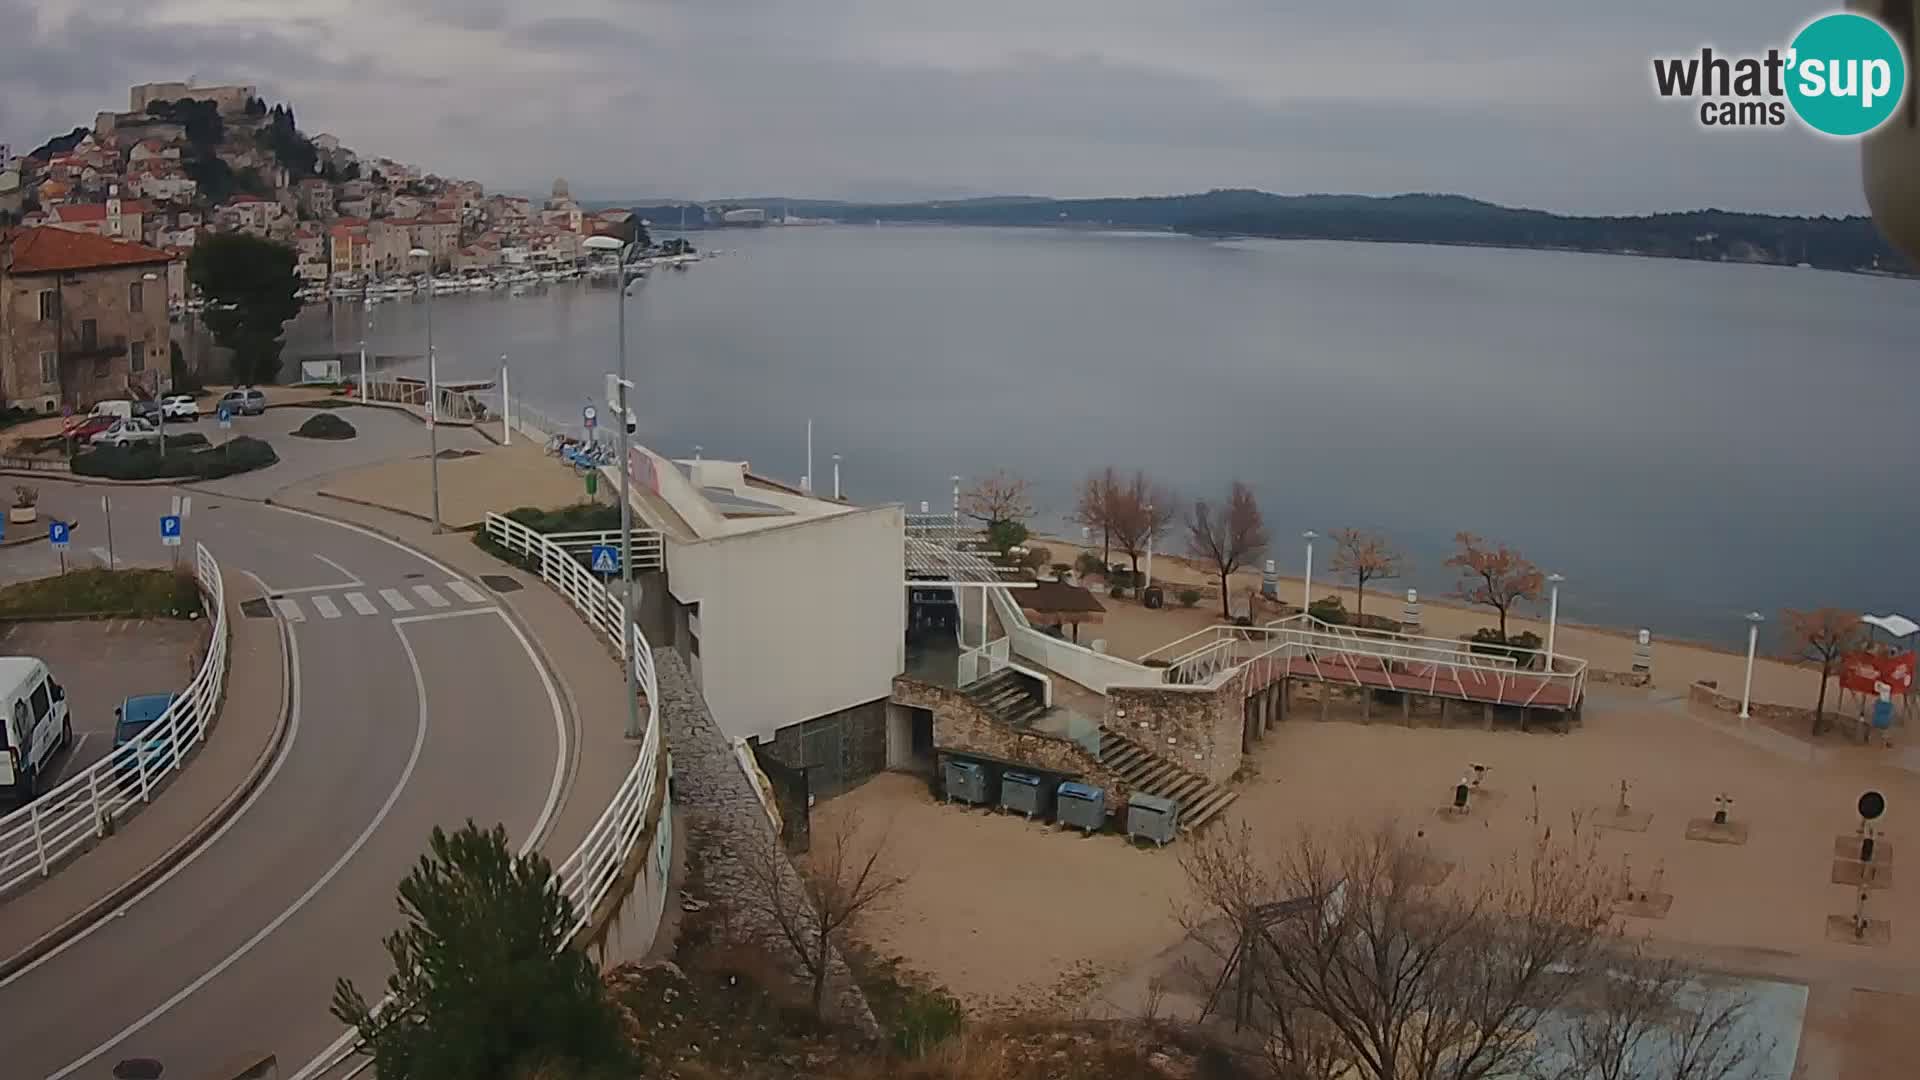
1546,105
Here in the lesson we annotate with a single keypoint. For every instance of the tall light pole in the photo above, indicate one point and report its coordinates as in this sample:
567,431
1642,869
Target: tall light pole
1149,584
433,391
620,252
1754,619
159,395
1553,615
1306,586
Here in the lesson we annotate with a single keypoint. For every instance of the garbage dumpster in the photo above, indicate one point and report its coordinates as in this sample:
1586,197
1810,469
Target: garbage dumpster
1082,806
967,782
1023,793
1152,817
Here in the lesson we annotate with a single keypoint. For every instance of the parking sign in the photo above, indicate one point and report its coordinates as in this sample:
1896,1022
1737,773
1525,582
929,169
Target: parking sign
170,530
58,533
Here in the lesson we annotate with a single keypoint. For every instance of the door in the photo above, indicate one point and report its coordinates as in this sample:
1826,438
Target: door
45,732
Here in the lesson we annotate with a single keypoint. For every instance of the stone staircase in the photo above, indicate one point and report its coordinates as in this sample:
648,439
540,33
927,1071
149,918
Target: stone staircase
1200,799
1006,696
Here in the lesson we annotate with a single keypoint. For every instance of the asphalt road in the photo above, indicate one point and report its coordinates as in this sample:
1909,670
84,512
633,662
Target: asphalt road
415,703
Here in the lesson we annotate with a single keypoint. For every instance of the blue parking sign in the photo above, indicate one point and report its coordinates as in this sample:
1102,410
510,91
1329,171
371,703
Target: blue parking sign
58,533
226,416
606,559
170,530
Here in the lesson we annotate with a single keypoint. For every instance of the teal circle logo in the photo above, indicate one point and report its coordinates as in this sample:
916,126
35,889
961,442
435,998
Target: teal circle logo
1846,74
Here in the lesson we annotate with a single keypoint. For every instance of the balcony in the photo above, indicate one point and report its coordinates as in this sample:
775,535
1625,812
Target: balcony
74,347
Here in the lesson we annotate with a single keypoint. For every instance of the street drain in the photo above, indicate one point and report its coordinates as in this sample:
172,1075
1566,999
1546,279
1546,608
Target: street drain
410,577
255,609
500,583
138,1069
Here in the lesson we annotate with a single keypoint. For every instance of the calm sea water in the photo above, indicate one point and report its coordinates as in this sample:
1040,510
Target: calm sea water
1685,442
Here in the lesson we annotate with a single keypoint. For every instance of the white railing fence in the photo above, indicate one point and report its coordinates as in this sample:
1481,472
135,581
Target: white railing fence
86,806
649,552
586,875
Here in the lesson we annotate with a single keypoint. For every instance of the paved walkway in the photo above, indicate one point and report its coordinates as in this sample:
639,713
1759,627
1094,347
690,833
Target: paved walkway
213,781
482,477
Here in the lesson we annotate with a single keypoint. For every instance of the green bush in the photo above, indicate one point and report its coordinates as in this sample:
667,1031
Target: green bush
1488,642
141,593
144,462
1189,597
325,426
1088,564
580,517
925,1019
1116,592
1330,610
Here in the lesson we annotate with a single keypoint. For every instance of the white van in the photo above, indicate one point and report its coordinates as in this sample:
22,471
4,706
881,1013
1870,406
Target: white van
119,409
34,725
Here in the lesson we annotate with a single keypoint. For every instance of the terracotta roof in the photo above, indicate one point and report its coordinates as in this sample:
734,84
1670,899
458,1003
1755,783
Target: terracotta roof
49,250
98,211
1054,598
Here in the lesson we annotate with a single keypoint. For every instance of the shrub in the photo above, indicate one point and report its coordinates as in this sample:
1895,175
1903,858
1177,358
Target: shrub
1116,592
25,495
1330,610
1488,642
143,462
325,426
1088,564
1189,597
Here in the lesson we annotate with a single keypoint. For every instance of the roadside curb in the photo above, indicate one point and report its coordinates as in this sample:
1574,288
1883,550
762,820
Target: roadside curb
101,908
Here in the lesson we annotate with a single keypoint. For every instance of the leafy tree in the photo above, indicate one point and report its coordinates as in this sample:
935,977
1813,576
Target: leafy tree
1366,557
1227,538
1823,636
484,984
251,292
1495,576
59,144
293,150
1004,536
213,177
205,128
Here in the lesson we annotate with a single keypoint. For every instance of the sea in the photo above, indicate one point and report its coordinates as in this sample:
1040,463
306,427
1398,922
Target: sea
1685,442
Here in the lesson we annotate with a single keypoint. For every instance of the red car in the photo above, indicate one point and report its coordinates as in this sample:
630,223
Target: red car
83,428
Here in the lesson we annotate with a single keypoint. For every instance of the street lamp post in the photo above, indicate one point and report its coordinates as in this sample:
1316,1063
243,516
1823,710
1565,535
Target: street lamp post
158,393
433,391
1306,585
1149,548
1553,615
1754,619
621,251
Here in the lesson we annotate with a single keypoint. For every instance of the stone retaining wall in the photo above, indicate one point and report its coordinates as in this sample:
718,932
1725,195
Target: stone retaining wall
1707,693
1625,678
960,725
1199,730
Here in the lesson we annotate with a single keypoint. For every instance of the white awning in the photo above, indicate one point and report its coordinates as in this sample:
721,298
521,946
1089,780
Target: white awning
1898,625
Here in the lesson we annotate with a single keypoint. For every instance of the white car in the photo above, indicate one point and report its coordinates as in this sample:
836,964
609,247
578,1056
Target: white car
127,432
180,407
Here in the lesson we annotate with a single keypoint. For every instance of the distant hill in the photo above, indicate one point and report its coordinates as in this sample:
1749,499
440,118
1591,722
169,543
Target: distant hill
1833,243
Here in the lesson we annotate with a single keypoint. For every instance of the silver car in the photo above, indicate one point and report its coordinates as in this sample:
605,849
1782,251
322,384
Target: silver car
244,401
126,432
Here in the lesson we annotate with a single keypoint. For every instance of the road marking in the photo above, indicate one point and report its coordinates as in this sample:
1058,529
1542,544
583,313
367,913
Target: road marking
325,605
431,596
466,592
73,755
286,751
361,605
247,946
290,609
105,558
395,600
344,572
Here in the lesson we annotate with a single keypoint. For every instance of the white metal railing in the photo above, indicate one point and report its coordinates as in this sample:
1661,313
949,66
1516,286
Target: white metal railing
648,548
83,808
586,876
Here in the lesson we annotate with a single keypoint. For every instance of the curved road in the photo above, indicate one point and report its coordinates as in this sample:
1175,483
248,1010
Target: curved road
415,703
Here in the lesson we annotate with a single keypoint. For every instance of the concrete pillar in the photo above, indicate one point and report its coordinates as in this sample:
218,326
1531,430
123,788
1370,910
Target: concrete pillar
1443,711
1326,699
1406,710
1486,713
1247,713
1286,697
1366,705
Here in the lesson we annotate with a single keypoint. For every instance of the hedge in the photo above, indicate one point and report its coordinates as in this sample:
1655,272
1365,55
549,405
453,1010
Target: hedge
145,593
240,454
325,426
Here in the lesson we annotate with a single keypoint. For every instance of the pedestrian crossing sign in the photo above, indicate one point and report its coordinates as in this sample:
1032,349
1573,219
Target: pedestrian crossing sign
606,559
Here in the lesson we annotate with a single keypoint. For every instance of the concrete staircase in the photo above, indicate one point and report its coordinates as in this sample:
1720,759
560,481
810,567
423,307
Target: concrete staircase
1007,697
1200,799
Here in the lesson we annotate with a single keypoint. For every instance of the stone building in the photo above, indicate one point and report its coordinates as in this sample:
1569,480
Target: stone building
83,318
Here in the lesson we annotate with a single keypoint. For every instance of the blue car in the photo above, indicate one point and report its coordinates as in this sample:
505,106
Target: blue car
135,715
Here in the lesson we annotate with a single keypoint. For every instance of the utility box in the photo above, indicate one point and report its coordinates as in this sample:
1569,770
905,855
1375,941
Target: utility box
1023,793
1152,817
967,781
1082,806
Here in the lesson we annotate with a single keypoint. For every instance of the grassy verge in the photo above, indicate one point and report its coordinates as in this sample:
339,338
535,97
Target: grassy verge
580,517
136,593
143,462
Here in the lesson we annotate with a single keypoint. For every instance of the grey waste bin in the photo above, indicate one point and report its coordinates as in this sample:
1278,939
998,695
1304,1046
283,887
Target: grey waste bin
1152,817
1023,793
967,782
1082,806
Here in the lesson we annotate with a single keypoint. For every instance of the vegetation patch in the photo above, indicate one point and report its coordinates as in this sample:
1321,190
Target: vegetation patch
240,454
325,426
580,517
168,594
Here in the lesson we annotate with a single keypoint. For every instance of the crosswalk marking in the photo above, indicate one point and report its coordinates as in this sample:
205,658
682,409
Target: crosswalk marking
325,606
431,596
466,592
290,610
360,604
395,600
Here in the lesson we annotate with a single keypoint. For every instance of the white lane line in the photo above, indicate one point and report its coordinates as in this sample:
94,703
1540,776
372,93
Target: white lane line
361,605
73,755
335,1054
101,554
431,596
352,579
290,609
466,592
286,751
395,600
406,775
325,606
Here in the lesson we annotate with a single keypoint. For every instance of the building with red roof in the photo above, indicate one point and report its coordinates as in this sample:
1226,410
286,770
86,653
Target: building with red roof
83,318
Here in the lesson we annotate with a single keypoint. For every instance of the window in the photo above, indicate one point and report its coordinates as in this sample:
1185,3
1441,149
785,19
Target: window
49,305
50,368
42,702
102,367
134,299
138,356
89,334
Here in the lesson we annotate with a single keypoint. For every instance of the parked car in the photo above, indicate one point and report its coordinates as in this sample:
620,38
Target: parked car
34,725
134,716
119,408
245,400
180,407
84,428
147,409
126,433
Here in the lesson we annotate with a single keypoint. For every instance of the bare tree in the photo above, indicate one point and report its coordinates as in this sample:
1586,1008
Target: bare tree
1140,515
1227,538
1824,635
999,498
1094,508
1366,557
811,911
1495,576
1352,959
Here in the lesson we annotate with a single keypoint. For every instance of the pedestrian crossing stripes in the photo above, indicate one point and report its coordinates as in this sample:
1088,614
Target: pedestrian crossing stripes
395,601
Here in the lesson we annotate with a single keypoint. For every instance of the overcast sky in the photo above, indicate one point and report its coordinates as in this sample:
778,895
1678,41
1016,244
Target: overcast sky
1538,104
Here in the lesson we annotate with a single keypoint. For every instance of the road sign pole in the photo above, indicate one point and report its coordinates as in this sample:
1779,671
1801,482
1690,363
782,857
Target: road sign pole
106,508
